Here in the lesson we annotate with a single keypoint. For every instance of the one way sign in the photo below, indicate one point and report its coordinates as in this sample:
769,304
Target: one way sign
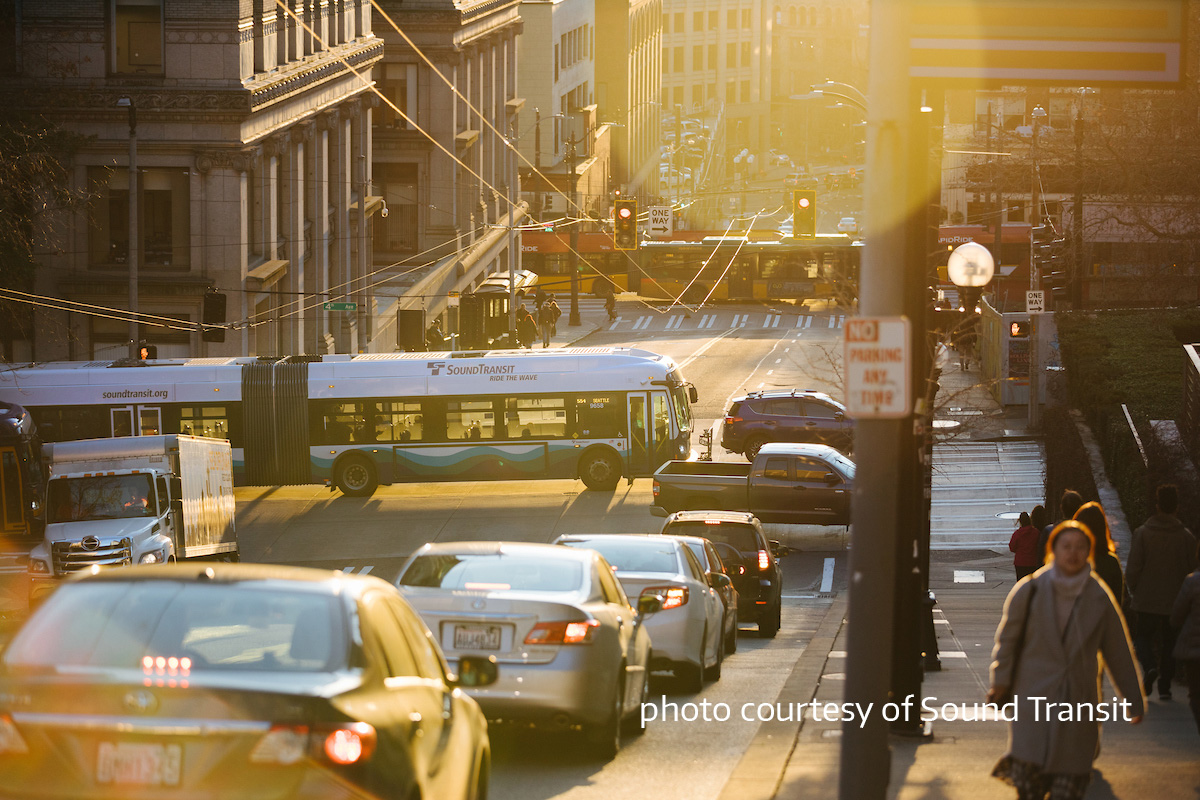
661,221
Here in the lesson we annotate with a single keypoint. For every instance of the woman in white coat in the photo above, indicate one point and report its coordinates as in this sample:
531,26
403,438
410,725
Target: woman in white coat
1056,625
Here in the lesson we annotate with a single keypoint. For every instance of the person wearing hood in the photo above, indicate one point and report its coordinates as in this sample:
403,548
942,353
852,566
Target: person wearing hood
1161,556
1057,625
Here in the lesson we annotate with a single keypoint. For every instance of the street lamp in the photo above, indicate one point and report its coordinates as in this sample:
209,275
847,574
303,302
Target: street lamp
1038,115
135,344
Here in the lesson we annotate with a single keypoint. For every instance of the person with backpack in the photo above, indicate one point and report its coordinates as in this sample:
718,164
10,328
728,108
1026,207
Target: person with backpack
548,315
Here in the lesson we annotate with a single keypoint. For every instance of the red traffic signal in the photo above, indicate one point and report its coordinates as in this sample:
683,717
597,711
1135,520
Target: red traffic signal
804,213
625,235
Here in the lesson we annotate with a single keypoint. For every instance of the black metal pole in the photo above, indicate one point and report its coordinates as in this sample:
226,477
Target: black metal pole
1077,269
573,319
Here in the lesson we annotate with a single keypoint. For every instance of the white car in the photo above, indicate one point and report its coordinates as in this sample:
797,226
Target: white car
573,650
848,225
688,634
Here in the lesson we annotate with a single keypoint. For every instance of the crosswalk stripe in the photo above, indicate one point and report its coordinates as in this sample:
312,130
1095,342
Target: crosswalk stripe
347,570
832,321
616,322
642,323
808,321
711,321
366,570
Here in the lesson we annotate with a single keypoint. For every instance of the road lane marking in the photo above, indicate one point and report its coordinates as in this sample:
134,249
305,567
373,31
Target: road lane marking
827,576
616,322
366,570
780,360
642,323
702,350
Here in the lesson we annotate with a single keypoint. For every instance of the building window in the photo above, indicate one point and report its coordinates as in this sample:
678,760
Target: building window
745,18
712,20
745,54
137,36
678,66
712,56
698,57
730,56
698,21
399,86
397,233
731,19
678,22
164,211
745,91
666,23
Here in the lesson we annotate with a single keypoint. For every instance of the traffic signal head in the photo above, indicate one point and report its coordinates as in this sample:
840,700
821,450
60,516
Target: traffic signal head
625,235
1019,329
149,352
804,213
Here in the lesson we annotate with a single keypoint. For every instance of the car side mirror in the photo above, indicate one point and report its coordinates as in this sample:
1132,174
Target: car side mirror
693,395
832,478
474,671
779,550
648,604
719,580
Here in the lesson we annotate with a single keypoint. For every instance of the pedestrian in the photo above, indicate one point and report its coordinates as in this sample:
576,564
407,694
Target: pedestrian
1023,544
539,297
1104,554
1161,556
1185,616
1068,504
548,314
1055,627
434,340
526,328
610,307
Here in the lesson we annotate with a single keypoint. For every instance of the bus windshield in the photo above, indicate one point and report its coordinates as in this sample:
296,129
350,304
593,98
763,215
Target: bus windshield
100,497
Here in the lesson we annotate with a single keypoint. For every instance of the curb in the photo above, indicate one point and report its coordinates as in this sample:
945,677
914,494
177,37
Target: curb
759,773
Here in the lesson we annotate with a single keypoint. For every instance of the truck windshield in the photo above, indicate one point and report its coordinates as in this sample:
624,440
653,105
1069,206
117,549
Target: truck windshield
100,497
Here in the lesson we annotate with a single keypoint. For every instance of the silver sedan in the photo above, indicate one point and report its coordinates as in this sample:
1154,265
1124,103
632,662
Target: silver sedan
688,634
572,650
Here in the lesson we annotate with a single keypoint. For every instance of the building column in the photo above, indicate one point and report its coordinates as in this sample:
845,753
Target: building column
294,304
341,267
316,276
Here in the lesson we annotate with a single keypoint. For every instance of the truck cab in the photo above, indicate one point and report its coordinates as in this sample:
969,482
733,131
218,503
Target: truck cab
133,500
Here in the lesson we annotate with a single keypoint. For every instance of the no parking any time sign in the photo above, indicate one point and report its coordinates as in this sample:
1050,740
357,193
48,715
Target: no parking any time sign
877,367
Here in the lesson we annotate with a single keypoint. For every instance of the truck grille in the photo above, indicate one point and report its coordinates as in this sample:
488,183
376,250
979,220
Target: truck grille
72,556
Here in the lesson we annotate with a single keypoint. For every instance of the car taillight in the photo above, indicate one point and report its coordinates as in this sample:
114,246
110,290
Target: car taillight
350,744
673,596
731,420
11,742
562,632
656,488
342,744
764,560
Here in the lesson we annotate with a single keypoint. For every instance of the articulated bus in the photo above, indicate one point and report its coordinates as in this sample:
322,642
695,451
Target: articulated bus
704,264
595,413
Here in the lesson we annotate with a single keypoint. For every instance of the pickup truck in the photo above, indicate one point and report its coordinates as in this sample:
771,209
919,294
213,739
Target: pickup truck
797,483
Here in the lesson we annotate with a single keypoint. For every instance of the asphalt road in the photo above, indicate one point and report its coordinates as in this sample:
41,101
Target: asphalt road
313,526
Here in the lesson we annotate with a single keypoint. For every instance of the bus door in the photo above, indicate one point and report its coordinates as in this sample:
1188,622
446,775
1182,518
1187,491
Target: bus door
11,492
741,280
136,421
650,440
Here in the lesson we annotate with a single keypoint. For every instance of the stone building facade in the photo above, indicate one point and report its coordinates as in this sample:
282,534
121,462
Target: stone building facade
253,127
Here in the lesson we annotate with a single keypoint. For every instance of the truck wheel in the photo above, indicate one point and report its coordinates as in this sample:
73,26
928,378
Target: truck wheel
600,470
355,477
753,446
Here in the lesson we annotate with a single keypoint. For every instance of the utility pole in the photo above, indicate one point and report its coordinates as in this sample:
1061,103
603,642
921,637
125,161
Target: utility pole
135,344
513,194
1035,217
573,262
865,758
999,239
537,162
1075,282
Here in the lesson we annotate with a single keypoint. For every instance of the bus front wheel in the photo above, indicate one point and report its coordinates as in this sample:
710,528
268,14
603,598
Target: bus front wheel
355,477
600,470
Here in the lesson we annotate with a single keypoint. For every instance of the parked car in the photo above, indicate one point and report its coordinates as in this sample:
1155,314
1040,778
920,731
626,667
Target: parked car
706,553
572,650
687,635
235,681
797,483
757,418
848,225
751,561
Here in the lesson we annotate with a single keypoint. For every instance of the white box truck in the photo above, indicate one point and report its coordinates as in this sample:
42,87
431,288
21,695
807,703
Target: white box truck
134,500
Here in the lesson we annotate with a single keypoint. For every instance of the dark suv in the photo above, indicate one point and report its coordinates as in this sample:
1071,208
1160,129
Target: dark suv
751,560
762,417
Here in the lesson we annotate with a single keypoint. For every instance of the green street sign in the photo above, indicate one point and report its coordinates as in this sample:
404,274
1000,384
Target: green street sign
340,306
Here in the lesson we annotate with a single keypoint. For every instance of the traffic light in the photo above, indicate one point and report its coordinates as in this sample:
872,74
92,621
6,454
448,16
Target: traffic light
212,315
625,236
1019,329
804,213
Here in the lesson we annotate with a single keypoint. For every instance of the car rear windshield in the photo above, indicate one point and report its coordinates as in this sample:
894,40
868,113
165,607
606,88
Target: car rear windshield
494,572
636,556
737,534
215,626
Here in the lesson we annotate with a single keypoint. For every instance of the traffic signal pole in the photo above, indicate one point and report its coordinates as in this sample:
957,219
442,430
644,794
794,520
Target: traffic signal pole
573,260
865,762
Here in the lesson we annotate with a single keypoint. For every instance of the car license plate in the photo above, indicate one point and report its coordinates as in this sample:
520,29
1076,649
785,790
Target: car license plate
140,764
476,637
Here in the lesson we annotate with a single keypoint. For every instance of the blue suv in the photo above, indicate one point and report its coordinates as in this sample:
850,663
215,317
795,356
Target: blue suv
795,416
